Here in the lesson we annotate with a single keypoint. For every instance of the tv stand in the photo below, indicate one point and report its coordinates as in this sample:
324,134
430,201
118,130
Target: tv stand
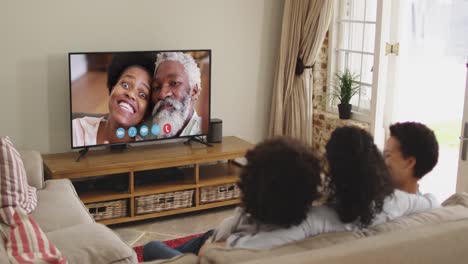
138,183
199,140
118,147
82,154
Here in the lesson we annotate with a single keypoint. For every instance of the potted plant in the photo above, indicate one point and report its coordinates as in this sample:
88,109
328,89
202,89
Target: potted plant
344,89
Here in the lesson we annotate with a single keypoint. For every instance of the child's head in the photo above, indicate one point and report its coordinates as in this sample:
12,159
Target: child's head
410,153
359,180
280,181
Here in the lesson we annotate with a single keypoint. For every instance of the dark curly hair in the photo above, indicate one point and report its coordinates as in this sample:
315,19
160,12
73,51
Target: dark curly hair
121,61
358,179
418,141
279,182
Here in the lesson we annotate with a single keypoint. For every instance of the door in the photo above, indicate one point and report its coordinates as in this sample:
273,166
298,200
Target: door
462,179
426,80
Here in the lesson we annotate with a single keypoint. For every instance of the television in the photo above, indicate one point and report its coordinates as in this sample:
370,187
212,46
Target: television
138,96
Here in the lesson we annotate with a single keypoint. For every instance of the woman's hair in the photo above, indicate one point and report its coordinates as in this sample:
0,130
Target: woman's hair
121,61
358,179
279,182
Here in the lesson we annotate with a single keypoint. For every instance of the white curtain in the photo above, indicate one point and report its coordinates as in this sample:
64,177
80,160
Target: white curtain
305,24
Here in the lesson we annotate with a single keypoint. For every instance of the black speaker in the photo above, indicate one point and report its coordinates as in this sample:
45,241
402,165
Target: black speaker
215,131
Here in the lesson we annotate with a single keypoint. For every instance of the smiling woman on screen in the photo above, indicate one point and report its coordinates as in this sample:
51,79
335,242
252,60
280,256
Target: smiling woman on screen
129,81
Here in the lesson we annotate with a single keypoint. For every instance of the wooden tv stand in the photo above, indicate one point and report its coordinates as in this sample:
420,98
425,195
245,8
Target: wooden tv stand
202,166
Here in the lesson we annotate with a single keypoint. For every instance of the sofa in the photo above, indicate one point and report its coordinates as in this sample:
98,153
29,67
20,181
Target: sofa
436,236
66,222
432,237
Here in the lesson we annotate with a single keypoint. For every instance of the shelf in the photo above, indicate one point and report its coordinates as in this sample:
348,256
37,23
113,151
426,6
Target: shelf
219,204
163,188
101,196
184,183
149,170
137,158
218,174
116,220
167,213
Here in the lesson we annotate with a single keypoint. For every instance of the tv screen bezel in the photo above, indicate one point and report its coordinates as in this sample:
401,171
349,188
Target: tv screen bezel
137,51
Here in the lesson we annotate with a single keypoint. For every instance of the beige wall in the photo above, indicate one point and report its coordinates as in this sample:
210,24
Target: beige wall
35,37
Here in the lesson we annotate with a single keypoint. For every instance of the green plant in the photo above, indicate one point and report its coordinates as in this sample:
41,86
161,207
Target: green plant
346,86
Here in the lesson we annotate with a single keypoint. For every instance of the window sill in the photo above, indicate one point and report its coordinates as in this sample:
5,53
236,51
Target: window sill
355,116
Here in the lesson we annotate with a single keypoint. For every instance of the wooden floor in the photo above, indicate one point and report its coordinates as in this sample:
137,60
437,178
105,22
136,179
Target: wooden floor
171,227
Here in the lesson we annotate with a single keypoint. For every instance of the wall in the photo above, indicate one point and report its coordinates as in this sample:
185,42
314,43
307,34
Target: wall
36,36
325,122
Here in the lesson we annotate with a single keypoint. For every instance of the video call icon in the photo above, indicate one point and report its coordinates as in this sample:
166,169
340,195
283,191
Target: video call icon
132,131
144,131
120,133
155,129
167,128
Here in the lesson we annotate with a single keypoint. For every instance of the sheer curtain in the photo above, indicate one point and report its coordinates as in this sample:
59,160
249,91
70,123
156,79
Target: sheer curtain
305,24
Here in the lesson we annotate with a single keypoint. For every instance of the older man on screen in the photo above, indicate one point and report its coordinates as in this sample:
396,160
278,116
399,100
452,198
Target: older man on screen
175,91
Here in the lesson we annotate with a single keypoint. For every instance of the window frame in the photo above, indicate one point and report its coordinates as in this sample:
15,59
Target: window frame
333,47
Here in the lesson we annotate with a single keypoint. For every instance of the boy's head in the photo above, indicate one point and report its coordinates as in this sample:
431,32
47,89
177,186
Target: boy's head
410,153
280,181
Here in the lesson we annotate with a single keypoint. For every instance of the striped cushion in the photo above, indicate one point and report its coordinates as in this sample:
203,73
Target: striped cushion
14,188
24,240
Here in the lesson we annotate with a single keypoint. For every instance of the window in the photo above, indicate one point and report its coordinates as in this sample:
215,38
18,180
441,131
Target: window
352,46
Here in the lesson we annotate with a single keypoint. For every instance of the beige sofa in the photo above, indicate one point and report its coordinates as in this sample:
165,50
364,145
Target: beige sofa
436,236
67,223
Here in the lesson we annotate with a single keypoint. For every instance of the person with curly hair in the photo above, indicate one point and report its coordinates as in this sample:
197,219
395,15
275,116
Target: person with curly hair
360,192
410,153
129,77
278,185
360,184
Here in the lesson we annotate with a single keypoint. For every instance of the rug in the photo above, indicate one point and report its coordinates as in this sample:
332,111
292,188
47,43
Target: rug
171,243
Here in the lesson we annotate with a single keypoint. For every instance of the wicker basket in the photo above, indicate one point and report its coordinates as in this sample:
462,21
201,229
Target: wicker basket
163,202
107,210
216,193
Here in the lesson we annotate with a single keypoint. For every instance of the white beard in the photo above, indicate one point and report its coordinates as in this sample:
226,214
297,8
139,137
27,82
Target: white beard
176,117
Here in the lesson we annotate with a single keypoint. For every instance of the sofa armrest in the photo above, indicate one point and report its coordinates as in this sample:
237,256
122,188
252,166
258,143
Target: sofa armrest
32,161
187,258
92,243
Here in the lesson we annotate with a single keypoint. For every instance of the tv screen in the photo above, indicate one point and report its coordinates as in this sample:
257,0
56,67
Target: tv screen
127,97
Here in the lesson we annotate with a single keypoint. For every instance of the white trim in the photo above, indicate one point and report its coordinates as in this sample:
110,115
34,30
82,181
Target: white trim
332,39
355,21
365,84
393,65
362,54
355,51
380,72
334,61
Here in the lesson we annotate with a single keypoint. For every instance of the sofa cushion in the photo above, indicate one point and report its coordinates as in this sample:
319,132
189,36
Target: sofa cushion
455,208
181,259
34,167
236,255
14,188
3,253
25,242
446,243
59,206
92,243
460,198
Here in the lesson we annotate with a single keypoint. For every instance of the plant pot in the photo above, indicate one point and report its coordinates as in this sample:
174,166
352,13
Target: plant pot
344,111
